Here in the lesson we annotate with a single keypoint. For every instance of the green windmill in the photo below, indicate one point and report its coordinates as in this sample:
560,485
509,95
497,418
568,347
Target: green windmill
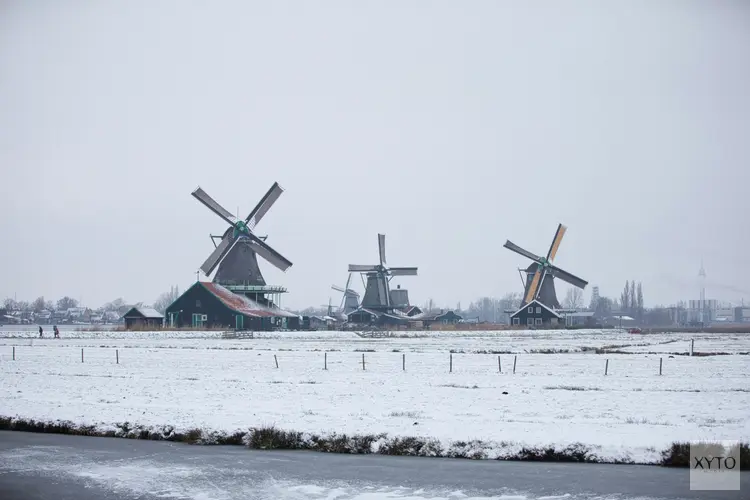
235,255
541,273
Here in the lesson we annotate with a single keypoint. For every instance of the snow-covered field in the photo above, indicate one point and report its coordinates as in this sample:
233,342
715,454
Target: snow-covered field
559,393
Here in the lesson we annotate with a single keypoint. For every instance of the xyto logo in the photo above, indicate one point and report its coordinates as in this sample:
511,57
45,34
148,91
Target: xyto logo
715,463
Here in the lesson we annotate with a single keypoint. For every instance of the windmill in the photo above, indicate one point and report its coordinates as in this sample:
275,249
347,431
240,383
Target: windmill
349,298
329,309
377,291
236,254
540,275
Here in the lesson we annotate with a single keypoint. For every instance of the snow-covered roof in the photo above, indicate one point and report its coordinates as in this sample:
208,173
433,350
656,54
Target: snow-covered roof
362,309
149,312
244,305
624,318
537,303
579,314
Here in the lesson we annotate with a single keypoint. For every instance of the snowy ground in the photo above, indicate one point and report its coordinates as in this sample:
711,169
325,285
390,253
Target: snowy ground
165,378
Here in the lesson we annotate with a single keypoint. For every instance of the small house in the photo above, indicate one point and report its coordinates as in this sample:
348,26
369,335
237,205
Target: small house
143,317
535,314
441,318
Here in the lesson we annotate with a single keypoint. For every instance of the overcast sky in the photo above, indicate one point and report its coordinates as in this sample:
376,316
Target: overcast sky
449,126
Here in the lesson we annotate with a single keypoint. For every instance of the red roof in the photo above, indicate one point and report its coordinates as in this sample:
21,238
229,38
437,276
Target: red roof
241,304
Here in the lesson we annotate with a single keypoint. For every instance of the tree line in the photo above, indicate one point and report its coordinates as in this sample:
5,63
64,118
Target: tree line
40,304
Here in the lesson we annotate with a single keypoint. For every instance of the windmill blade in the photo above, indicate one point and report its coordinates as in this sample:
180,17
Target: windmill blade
264,205
545,273
348,280
512,246
361,268
568,278
556,242
531,292
214,206
381,248
264,250
219,252
338,288
402,271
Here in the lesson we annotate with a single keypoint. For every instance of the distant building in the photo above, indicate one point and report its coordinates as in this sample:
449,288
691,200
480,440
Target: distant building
440,317
710,306
535,314
739,314
595,297
621,320
364,316
143,317
580,318
411,311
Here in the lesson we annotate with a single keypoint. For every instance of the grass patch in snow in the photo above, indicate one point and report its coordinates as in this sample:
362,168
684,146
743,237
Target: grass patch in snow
459,386
678,455
570,388
645,421
272,438
410,414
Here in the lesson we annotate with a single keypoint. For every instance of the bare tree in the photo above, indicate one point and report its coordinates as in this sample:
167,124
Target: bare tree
639,302
114,305
165,300
38,304
625,297
66,303
573,298
9,304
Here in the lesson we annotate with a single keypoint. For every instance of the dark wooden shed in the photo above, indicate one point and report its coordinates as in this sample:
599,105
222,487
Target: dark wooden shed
535,314
143,317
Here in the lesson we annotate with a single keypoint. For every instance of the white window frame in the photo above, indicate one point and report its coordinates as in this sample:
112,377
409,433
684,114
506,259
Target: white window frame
538,321
516,321
529,321
531,309
539,309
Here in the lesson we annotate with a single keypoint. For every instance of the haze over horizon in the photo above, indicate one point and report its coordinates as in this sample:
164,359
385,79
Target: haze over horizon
448,126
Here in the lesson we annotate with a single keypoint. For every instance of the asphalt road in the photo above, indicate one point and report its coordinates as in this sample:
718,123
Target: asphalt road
48,466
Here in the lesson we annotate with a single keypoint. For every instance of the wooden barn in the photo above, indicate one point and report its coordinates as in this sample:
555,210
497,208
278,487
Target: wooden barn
535,314
365,316
143,317
210,305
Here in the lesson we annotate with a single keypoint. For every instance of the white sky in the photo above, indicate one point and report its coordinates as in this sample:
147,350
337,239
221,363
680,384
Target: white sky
449,126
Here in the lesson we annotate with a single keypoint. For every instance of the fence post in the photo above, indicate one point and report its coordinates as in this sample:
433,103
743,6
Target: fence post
660,362
692,344
499,366
14,353
81,354
275,359
325,360
606,366
403,361
450,365
117,356
363,361
514,363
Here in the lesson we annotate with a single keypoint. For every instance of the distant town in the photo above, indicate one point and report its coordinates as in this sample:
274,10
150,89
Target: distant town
627,310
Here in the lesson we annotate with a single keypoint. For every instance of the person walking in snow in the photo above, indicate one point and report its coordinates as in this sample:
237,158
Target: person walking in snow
41,331
56,332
